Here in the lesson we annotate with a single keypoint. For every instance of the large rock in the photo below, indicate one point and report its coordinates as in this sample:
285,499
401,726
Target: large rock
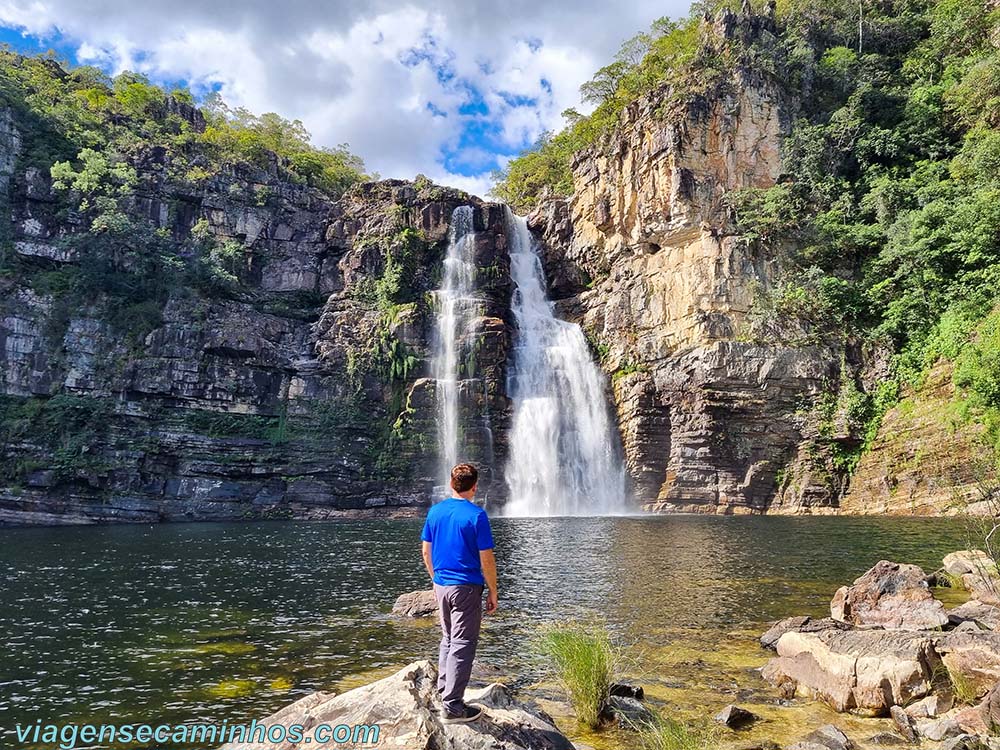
416,604
649,262
972,659
865,671
800,624
406,708
827,737
984,616
890,595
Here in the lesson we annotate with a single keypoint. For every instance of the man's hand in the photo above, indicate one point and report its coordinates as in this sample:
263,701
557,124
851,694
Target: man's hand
491,602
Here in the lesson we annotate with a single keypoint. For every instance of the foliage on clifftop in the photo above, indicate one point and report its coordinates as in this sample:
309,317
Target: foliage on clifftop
69,110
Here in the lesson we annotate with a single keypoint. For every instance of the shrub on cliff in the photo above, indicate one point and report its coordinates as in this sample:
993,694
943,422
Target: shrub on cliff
70,110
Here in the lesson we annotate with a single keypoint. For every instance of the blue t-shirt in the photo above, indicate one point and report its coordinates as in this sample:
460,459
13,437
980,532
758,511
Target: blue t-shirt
457,530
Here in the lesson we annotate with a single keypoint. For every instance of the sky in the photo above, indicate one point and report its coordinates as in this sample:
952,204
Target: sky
449,89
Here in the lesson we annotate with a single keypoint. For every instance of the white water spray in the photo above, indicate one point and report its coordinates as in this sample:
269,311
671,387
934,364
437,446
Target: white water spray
457,307
563,457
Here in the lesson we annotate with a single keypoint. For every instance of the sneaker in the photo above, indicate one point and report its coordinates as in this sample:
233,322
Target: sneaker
471,713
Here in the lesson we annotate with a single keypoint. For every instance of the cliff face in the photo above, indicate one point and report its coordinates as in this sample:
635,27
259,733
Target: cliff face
926,460
644,254
304,394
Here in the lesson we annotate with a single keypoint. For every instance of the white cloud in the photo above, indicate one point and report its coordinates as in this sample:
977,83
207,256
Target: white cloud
364,73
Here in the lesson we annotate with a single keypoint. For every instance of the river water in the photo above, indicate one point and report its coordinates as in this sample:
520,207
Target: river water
178,623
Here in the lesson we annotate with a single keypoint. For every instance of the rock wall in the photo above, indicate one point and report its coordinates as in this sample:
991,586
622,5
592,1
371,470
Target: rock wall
302,396
925,460
645,256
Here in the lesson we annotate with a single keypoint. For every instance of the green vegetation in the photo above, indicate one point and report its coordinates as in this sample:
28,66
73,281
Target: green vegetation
67,427
887,219
670,54
668,734
80,115
584,660
89,132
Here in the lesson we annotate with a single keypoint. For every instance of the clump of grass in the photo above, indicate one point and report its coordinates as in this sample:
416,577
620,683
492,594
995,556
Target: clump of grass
585,660
668,734
966,690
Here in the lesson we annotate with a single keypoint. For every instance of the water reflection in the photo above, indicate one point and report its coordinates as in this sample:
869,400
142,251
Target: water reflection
204,622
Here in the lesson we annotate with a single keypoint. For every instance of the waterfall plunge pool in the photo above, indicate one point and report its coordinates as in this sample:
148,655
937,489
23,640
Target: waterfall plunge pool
205,622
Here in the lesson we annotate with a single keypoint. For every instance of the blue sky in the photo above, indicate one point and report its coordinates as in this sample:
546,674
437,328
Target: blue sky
450,89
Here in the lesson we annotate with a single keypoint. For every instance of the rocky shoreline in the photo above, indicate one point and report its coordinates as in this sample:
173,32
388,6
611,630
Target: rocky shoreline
889,650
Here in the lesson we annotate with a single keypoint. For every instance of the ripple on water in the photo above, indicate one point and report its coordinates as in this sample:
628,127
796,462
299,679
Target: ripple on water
178,623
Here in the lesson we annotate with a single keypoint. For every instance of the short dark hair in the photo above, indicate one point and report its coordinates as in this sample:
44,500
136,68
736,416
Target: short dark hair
464,477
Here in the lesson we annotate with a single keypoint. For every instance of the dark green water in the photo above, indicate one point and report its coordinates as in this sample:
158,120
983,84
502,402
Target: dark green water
179,623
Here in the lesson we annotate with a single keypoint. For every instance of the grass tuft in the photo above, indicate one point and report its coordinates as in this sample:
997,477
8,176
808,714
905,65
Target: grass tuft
668,734
585,661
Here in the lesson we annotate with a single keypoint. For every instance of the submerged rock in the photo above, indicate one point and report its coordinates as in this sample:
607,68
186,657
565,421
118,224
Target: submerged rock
886,739
736,717
891,595
627,691
865,671
965,742
827,737
416,604
407,709
628,713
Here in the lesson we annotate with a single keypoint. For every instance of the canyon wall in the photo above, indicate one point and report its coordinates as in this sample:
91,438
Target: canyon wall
645,256
302,395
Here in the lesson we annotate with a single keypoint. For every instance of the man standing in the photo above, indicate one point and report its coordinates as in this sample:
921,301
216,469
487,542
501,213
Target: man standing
458,555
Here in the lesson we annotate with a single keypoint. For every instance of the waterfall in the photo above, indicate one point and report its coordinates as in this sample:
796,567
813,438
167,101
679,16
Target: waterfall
563,456
457,308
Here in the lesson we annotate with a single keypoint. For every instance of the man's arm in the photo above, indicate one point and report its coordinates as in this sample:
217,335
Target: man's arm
488,562
426,551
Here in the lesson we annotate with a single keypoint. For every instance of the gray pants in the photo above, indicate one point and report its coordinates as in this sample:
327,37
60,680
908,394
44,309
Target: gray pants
461,614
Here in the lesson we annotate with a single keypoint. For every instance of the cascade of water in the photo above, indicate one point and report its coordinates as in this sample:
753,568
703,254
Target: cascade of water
563,455
457,307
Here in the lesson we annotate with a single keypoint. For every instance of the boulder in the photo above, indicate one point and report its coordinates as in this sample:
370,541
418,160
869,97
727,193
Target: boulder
985,616
801,624
989,710
972,659
628,713
904,723
627,691
827,737
864,671
938,730
416,604
931,706
890,595
978,573
407,709
735,717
